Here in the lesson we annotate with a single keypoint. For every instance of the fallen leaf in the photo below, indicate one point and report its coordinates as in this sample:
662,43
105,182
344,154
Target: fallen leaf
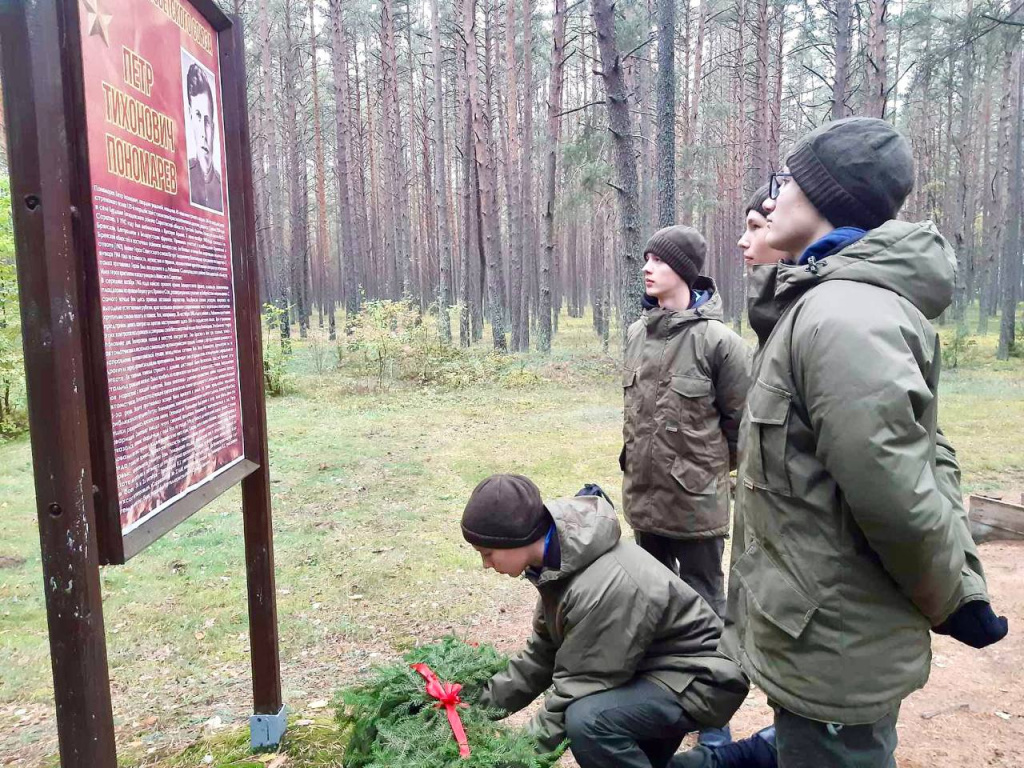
149,722
200,635
318,704
304,722
277,762
1004,715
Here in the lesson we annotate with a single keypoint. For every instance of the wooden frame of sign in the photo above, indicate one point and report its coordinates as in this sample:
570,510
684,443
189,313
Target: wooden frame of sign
81,522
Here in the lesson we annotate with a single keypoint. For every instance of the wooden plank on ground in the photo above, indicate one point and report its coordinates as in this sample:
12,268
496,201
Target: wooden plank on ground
993,519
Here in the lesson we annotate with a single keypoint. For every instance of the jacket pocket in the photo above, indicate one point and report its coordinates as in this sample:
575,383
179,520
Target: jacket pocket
630,402
772,593
696,479
691,407
768,408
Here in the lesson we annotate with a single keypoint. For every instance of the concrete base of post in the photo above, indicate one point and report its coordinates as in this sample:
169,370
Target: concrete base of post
267,730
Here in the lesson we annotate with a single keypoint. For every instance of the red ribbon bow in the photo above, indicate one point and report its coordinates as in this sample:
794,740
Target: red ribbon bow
447,695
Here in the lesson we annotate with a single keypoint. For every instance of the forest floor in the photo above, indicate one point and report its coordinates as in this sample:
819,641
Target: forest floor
368,487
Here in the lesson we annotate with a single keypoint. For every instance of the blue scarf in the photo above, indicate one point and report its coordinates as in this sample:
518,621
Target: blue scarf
831,243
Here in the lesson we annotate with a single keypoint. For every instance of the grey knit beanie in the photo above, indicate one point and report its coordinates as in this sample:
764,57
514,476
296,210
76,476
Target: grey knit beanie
856,171
682,248
756,201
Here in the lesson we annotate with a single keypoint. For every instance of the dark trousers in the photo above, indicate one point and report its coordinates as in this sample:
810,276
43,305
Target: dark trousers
804,743
698,562
638,725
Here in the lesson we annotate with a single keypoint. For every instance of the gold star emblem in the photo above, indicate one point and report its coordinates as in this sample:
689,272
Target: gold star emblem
97,22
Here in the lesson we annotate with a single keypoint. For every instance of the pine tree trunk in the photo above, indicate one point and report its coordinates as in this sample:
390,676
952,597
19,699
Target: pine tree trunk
325,283
444,299
469,248
843,33
489,243
666,142
513,165
741,85
296,165
348,242
398,230
646,90
876,80
620,125
775,128
529,220
982,259
550,161
762,128
276,223
963,213
1011,266
996,186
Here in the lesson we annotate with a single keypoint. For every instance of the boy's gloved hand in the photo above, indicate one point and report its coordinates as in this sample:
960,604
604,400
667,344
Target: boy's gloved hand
974,624
593,489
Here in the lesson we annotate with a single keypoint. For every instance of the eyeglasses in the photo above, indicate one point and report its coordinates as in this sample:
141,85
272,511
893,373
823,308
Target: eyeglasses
775,184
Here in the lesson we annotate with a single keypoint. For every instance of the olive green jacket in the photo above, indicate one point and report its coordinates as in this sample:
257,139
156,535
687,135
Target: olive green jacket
850,541
610,613
685,380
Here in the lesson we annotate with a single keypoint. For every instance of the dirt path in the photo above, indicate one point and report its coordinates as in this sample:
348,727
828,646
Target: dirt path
971,713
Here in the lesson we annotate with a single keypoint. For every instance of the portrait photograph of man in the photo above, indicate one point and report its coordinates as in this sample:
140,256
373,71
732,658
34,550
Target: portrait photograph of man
201,134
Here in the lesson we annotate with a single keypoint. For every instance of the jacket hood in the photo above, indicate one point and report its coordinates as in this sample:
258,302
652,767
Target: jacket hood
668,321
587,527
763,310
910,259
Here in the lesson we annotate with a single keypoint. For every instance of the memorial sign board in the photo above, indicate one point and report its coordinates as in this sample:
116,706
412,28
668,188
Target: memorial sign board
134,225
165,359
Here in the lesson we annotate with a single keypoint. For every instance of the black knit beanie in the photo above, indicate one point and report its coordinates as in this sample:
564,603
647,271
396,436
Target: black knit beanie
756,201
682,248
857,172
505,512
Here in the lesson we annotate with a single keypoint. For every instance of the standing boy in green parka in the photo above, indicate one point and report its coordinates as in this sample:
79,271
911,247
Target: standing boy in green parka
685,380
628,651
850,545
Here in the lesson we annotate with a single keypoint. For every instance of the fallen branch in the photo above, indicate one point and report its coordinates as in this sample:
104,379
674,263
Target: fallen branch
944,711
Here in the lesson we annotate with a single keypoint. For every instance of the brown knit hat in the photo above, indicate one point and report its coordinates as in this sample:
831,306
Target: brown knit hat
505,512
856,172
682,248
756,201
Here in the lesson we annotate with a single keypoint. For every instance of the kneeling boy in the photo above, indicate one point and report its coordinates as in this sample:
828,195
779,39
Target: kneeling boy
629,651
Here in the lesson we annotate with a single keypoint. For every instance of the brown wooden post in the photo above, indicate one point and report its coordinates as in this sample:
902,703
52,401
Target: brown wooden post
267,723
42,154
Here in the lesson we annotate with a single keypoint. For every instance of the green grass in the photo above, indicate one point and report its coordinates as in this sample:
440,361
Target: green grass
368,488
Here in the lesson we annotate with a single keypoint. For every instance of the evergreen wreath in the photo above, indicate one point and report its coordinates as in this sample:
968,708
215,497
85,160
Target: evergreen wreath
393,722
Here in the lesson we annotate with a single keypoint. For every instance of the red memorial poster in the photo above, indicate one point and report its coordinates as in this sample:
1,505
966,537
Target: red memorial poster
157,171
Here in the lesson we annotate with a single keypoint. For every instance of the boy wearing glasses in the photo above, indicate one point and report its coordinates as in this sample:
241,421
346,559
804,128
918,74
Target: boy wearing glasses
850,544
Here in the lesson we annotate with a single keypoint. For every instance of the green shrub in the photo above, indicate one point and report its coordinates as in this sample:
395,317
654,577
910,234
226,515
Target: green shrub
13,418
957,347
275,352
